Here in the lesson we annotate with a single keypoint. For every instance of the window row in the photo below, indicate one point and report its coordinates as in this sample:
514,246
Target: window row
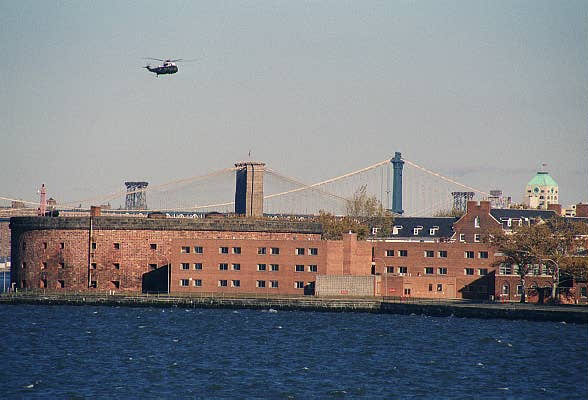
236,283
299,251
477,237
260,267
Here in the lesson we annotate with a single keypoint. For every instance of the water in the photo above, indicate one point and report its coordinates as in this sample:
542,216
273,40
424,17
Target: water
102,352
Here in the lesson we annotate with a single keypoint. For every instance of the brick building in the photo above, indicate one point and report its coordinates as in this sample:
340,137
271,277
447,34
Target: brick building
422,257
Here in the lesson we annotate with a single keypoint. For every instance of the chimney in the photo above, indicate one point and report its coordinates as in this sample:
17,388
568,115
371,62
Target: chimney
555,207
582,210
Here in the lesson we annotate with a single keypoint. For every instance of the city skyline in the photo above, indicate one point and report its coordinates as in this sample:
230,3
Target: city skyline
484,93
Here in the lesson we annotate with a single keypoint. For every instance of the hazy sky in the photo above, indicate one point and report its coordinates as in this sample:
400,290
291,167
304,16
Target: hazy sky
480,91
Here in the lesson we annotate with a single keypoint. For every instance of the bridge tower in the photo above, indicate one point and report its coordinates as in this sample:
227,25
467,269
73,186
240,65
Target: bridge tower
249,188
397,164
136,197
460,200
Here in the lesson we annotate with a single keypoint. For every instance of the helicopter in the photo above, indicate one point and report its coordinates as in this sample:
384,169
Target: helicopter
168,66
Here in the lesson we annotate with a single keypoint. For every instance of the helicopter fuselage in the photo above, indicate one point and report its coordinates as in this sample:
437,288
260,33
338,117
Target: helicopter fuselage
163,69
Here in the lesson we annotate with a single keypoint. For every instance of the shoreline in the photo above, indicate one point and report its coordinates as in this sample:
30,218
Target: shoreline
509,311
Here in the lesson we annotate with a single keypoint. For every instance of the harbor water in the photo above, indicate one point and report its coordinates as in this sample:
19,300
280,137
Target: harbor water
116,352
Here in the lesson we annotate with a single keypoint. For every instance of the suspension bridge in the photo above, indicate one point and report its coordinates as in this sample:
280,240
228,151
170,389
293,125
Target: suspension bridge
400,185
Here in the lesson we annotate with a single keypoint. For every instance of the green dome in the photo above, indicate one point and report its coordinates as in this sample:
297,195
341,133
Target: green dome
542,179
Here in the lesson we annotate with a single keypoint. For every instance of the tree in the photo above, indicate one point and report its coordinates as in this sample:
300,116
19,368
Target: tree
454,212
557,241
364,205
362,211
518,250
562,244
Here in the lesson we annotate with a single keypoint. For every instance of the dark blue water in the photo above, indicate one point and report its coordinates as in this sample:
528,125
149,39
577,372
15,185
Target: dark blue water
101,352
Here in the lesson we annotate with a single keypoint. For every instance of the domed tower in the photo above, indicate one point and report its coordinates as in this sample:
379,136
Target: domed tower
541,191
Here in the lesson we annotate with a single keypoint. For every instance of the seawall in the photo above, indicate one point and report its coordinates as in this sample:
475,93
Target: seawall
512,311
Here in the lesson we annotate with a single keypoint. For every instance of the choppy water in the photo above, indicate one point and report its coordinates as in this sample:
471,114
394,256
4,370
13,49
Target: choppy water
101,352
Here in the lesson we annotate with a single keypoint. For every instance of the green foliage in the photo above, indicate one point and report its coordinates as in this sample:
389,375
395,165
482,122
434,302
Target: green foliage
449,213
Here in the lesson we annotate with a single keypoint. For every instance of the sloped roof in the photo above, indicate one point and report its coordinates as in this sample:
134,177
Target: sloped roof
542,179
512,213
408,224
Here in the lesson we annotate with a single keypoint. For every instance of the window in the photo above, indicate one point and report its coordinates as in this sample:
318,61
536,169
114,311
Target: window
222,283
433,230
430,287
442,271
223,250
223,266
429,270
62,245
396,229
389,270
152,267
402,270
429,253
439,287
477,237
505,270
462,237
236,250
483,254
60,284
44,245
417,231
93,284
44,265
94,245
115,284
261,250
198,266
197,282
185,266
299,251
260,284
275,251
389,253
153,246
468,254
94,265
505,289
312,268
313,251
299,268
519,290
235,283
61,265
482,271
407,291
476,222
583,291
198,250
403,253
261,267
468,271
274,267
274,284
236,267
117,265
185,250
117,246
443,254
299,285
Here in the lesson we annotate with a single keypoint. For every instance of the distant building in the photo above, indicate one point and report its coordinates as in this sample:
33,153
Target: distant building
498,200
541,191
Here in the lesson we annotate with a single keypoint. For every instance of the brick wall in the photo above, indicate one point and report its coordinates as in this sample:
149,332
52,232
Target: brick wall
345,285
476,221
47,255
4,238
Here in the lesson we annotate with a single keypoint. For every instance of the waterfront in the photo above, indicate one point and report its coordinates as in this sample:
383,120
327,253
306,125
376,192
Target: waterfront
106,352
